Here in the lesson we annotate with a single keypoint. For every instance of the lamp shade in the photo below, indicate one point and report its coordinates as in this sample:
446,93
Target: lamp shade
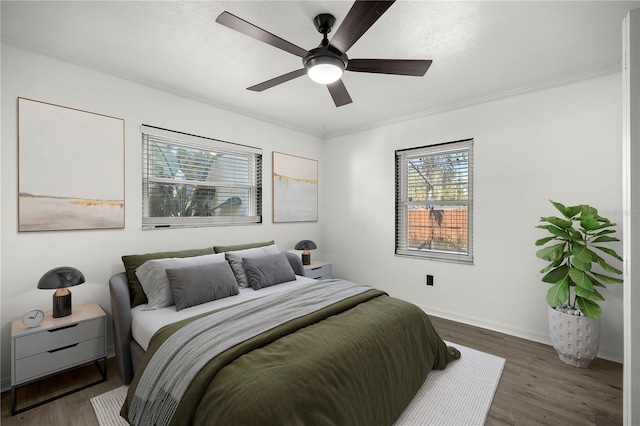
64,276
306,245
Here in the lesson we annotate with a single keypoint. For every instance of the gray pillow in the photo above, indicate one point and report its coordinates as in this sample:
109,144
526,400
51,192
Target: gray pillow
194,285
155,283
235,260
268,270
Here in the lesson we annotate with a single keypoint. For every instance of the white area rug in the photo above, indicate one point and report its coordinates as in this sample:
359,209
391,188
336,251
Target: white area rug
459,395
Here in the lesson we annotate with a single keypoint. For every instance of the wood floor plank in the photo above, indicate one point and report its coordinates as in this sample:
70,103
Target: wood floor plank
536,388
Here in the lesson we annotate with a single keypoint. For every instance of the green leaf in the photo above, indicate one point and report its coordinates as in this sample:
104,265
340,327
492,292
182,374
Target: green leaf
551,266
589,295
602,219
610,252
603,264
543,241
597,283
581,253
580,279
556,221
575,234
556,275
589,223
561,208
551,253
606,231
586,210
555,231
558,293
579,264
605,239
588,308
573,211
607,279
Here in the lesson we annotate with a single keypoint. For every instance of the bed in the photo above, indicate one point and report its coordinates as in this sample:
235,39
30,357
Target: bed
280,348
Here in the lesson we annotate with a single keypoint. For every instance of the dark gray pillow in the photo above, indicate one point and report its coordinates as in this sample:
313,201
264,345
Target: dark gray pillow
194,285
268,270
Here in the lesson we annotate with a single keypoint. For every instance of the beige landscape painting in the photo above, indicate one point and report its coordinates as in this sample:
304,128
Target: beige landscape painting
71,168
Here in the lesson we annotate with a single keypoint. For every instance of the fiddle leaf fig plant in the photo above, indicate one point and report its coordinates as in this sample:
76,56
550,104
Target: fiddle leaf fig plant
572,258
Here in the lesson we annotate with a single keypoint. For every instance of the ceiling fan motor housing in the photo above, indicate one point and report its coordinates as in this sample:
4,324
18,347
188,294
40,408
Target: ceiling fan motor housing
324,22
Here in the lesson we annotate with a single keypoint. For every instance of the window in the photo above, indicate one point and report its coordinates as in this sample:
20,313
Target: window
191,181
434,202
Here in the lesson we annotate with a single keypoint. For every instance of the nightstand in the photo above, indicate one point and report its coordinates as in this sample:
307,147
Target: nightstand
57,345
318,270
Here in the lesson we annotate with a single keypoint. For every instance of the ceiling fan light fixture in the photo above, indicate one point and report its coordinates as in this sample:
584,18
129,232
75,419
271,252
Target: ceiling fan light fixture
325,69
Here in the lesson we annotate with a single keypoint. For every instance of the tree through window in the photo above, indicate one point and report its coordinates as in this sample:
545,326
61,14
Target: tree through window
195,181
434,201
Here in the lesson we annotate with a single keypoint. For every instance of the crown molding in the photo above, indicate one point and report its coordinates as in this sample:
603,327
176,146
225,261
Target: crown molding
135,78
564,81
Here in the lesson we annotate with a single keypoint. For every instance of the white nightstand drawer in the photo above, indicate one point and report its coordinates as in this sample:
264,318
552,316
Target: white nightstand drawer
59,337
58,359
318,272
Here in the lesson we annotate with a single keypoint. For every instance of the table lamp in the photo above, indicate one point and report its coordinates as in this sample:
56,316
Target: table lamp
305,246
59,279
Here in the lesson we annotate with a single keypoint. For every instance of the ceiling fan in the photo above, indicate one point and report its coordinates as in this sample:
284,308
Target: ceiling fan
326,63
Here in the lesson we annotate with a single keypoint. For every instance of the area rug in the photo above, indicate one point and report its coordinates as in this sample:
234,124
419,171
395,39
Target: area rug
459,395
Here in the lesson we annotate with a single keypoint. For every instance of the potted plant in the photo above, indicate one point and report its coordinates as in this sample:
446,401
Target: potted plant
575,271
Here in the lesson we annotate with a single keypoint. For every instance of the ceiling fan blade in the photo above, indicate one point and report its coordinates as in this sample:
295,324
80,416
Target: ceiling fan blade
415,67
277,80
362,15
339,93
240,25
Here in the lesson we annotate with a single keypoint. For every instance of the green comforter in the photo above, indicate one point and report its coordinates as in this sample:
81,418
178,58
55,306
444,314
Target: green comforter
356,362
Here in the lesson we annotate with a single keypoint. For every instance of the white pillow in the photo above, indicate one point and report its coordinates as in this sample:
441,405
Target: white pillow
235,260
155,283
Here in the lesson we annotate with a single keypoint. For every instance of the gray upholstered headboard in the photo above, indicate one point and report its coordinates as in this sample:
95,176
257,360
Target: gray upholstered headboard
128,353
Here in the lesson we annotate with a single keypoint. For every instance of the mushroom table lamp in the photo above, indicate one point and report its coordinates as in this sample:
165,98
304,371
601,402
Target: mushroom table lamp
59,279
305,246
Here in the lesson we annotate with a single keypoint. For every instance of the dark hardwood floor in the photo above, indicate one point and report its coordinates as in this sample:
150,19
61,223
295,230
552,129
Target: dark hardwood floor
536,388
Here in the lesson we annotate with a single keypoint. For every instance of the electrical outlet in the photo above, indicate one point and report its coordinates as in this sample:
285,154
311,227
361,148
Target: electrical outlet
429,279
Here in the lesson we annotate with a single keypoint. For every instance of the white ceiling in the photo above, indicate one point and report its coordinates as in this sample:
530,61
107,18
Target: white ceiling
480,50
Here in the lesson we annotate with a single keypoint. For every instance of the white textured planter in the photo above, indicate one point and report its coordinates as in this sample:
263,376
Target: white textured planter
576,339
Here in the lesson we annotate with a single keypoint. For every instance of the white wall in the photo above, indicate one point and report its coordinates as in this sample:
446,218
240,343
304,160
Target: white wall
26,256
561,144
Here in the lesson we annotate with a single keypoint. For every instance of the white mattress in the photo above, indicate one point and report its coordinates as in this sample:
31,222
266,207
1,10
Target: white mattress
145,323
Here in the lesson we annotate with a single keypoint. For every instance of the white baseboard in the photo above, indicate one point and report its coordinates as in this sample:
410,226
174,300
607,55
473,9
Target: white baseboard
506,329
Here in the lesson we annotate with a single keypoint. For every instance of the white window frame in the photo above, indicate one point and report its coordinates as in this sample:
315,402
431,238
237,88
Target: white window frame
249,185
404,203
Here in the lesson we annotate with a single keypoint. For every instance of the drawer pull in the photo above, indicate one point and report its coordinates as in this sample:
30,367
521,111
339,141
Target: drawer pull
315,269
63,348
53,330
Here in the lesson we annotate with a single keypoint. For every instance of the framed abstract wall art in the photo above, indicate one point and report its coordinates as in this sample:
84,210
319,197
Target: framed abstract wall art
70,168
295,188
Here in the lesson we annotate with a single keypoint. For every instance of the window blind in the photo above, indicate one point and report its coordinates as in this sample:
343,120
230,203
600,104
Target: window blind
434,202
191,181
